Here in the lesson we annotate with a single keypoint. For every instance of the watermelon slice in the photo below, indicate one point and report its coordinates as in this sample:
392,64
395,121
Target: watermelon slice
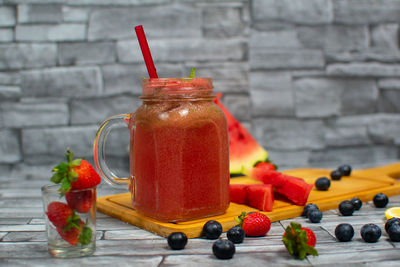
244,151
238,193
293,188
260,196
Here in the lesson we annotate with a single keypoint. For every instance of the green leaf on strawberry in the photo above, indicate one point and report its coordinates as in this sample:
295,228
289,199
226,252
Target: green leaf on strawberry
75,174
299,241
86,235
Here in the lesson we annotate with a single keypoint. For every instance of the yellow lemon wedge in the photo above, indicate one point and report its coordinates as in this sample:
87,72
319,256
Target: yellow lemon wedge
392,212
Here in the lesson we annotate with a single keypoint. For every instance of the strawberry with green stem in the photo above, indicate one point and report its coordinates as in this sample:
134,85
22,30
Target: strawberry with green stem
299,241
75,174
254,223
68,224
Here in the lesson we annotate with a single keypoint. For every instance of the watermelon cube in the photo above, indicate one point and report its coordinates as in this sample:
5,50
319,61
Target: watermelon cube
296,190
293,188
238,193
260,196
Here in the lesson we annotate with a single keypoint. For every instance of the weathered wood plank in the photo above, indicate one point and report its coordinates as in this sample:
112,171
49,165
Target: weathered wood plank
148,261
274,258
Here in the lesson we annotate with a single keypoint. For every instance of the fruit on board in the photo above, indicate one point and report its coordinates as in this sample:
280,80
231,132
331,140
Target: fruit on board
223,249
254,223
260,196
336,175
59,214
346,208
299,241
380,200
315,215
266,166
177,240
323,183
80,201
357,203
244,151
238,193
371,233
212,229
344,232
75,174
293,188
345,170
236,234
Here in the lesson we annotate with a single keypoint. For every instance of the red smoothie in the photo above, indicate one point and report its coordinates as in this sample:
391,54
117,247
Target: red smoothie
179,151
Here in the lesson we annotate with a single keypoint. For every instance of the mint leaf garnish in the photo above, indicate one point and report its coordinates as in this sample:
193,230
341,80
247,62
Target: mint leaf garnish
192,73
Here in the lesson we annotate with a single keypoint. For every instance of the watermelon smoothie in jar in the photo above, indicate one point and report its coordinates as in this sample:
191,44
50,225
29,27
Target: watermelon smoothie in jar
179,151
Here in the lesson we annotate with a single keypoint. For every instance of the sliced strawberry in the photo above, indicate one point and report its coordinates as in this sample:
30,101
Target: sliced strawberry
238,193
81,201
260,196
59,213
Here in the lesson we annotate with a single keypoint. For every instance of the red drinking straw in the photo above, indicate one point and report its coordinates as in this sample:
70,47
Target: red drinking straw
146,51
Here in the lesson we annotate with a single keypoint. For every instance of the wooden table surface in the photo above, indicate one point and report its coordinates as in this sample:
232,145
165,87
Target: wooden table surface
23,240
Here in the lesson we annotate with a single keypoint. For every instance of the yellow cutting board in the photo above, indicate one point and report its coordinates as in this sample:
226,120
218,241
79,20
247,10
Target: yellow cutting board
364,184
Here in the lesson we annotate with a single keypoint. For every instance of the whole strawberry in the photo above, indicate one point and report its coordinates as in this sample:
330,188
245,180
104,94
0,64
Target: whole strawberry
74,234
75,174
60,214
299,241
254,223
81,201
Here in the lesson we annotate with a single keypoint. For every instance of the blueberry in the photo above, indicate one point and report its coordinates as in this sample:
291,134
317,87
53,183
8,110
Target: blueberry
309,207
223,249
357,203
346,208
371,233
345,170
344,232
177,240
315,216
236,234
336,175
394,232
212,230
323,183
380,200
390,222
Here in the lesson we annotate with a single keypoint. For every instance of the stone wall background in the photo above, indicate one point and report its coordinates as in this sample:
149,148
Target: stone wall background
316,81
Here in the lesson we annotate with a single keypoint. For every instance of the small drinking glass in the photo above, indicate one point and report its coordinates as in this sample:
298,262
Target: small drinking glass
70,221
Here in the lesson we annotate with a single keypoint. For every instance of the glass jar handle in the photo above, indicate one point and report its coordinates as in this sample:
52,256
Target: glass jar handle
99,148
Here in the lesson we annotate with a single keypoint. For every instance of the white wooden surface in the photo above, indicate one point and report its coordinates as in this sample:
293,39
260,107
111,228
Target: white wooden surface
23,240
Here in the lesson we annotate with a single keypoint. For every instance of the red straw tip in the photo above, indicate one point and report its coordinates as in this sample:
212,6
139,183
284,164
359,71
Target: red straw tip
146,51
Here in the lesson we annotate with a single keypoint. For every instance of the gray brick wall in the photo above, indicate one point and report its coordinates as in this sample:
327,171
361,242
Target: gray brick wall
316,81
